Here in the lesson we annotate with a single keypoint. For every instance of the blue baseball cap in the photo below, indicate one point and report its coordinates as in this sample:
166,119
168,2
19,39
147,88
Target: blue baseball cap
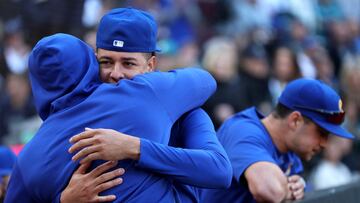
7,160
127,30
318,102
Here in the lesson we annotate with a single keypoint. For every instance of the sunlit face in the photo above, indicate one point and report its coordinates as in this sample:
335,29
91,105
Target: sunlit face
308,140
115,66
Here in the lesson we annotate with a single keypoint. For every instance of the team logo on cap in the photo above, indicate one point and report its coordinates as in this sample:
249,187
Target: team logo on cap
118,43
340,106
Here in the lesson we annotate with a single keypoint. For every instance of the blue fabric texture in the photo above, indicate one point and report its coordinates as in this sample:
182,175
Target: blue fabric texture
7,161
194,158
246,141
146,106
127,30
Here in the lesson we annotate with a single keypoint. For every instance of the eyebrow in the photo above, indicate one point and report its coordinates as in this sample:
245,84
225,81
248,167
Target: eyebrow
129,59
122,58
105,57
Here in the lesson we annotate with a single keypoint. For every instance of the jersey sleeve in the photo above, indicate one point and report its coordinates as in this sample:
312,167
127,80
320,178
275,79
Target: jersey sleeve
16,191
180,90
201,161
246,149
297,166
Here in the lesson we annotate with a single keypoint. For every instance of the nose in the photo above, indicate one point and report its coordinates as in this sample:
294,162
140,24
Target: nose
116,73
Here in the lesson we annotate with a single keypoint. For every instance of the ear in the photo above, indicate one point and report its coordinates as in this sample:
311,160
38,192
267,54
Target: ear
152,63
294,120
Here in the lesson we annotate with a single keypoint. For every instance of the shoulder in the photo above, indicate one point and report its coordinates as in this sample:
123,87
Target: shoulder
243,125
197,114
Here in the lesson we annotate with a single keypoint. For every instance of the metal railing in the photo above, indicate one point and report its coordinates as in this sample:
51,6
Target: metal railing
349,193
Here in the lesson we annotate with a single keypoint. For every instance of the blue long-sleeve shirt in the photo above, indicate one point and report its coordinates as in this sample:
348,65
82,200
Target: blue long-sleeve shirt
194,159
69,98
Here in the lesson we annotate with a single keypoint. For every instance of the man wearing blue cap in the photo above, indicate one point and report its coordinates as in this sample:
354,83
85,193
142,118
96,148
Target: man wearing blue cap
69,96
126,46
7,161
264,150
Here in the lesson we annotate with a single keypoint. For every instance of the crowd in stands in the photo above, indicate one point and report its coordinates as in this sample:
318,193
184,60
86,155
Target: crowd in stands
253,48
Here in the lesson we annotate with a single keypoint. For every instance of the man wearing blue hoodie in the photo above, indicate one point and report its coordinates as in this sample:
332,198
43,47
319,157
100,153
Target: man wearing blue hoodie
192,157
69,96
7,161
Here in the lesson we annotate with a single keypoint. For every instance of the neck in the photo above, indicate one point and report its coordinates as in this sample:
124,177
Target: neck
276,131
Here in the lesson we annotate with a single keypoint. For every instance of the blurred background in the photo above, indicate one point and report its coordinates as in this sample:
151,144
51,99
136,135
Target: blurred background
252,47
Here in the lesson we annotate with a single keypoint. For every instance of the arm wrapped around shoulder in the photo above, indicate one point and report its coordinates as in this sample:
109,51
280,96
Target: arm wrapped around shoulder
181,90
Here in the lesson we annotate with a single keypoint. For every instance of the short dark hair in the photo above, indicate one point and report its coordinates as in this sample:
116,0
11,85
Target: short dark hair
281,111
149,55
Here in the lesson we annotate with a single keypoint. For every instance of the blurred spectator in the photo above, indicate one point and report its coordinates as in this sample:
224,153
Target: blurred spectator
249,14
350,9
327,11
305,57
168,56
282,25
9,9
289,30
339,42
284,69
215,16
304,11
7,160
18,118
350,82
331,172
90,38
16,51
220,59
93,11
45,17
325,68
354,30
254,77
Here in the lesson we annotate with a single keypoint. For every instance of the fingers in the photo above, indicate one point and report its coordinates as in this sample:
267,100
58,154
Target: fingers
108,184
107,198
82,168
109,176
80,144
296,182
83,135
296,186
299,194
102,168
91,157
294,178
85,152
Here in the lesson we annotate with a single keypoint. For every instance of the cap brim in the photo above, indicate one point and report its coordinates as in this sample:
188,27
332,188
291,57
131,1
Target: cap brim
157,49
334,129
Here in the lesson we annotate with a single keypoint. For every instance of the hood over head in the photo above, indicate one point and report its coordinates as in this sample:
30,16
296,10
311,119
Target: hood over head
63,72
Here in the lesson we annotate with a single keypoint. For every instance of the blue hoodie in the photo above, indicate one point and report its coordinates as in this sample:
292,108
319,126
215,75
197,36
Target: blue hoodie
7,160
69,97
